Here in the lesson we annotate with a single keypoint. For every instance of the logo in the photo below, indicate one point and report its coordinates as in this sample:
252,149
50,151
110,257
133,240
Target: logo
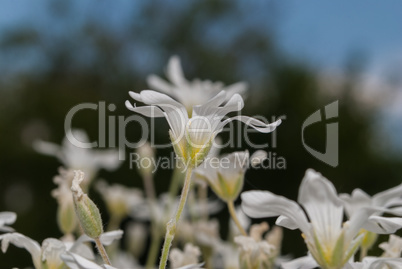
331,154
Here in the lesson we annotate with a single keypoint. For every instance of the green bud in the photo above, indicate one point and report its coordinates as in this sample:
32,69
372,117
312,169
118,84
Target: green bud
87,212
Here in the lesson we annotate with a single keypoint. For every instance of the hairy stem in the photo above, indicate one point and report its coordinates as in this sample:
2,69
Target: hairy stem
102,251
171,226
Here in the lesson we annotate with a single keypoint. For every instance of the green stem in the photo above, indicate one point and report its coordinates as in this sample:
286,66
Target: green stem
232,212
171,225
154,248
102,251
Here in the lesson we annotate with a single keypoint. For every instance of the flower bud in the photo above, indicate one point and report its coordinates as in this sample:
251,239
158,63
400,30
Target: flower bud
87,212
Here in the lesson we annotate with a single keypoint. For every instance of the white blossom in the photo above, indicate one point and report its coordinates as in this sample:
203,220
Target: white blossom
49,254
225,175
392,248
190,93
192,137
78,155
189,255
329,241
120,200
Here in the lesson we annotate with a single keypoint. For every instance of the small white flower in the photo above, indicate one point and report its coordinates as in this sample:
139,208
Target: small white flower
225,175
164,207
190,93
392,248
120,200
80,158
7,218
188,256
204,233
259,252
330,242
49,254
192,137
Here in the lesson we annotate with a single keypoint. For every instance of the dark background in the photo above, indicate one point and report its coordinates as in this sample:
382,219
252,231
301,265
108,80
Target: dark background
90,57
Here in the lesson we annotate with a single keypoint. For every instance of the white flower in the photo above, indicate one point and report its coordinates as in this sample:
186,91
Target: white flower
164,208
192,137
225,175
392,248
48,255
330,242
76,155
189,255
196,92
7,218
390,200
226,256
308,262
204,233
259,252
75,261
119,199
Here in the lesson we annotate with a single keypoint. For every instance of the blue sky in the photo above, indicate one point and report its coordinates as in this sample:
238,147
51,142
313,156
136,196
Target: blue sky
322,33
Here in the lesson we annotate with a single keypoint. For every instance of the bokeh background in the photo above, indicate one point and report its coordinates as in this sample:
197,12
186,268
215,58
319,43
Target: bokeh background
296,57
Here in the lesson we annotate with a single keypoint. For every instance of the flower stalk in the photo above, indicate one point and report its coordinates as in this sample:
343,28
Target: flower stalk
171,226
232,212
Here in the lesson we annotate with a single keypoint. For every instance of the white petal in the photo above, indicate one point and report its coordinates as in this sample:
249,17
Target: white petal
159,84
175,73
382,198
239,87
211,107
259,204
105,238
380,263
383,225
74,261
108,159
108,237
175,113
354,202
7,218
254,123
22,241
325,210
258,157
46,148
306,262
286,222
147,111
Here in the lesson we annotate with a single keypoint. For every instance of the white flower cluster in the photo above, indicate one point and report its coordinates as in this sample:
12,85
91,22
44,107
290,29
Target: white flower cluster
334,226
